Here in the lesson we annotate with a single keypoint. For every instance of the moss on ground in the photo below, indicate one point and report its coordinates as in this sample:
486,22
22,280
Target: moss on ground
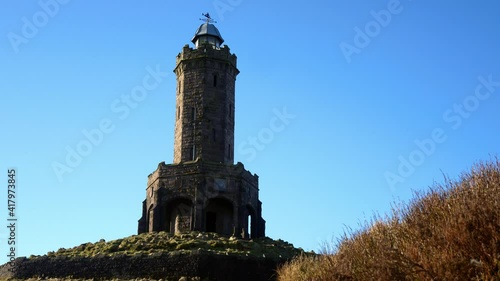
193,242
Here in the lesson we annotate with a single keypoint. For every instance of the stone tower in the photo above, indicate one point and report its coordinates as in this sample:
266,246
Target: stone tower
203,190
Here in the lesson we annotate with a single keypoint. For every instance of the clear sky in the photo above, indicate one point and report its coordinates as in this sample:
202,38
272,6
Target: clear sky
376,99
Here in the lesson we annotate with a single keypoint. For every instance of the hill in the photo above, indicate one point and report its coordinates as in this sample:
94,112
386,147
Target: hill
451,232
189,256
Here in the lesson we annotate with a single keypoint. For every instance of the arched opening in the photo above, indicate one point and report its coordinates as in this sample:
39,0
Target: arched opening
249,219
149,219
251,222
219,216
178,216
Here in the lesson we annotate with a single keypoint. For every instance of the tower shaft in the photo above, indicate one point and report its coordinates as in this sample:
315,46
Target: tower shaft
204,123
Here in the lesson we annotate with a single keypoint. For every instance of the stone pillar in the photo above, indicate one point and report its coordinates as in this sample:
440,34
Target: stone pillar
142,224
157,218
198,216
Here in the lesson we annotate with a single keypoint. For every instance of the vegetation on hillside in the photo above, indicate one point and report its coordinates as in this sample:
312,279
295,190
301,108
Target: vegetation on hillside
451,232
194,242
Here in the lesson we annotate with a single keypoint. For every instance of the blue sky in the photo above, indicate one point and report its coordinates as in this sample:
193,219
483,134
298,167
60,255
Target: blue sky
382,97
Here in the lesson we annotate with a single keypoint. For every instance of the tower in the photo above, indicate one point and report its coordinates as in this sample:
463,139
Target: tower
203,190
204,126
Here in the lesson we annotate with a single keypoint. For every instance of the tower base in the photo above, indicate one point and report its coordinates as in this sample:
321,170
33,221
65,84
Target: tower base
203,196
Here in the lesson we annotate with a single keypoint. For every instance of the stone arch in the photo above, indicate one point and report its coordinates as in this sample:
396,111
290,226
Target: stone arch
179,215
250,222
219,216
150,218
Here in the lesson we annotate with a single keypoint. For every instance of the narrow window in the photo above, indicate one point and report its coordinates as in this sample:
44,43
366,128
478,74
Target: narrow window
193,152
193,113
215,80
249,225
228,151
230,110
178,112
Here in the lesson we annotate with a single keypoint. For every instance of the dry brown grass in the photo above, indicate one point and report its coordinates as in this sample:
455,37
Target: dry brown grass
451,232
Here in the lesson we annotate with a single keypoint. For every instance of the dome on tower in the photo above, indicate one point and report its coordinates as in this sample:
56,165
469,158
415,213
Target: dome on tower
207,33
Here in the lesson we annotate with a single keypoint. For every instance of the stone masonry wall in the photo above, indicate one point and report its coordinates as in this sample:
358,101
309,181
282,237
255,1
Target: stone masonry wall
194,184
204,122
160,266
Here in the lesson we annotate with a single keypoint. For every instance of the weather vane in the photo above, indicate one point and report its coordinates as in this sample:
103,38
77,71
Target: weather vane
207,18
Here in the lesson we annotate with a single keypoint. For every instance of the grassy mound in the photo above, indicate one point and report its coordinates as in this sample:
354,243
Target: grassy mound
162,242
452,232
153,256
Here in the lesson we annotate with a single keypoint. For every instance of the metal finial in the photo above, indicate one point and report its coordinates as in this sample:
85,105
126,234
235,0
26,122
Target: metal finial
207,18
